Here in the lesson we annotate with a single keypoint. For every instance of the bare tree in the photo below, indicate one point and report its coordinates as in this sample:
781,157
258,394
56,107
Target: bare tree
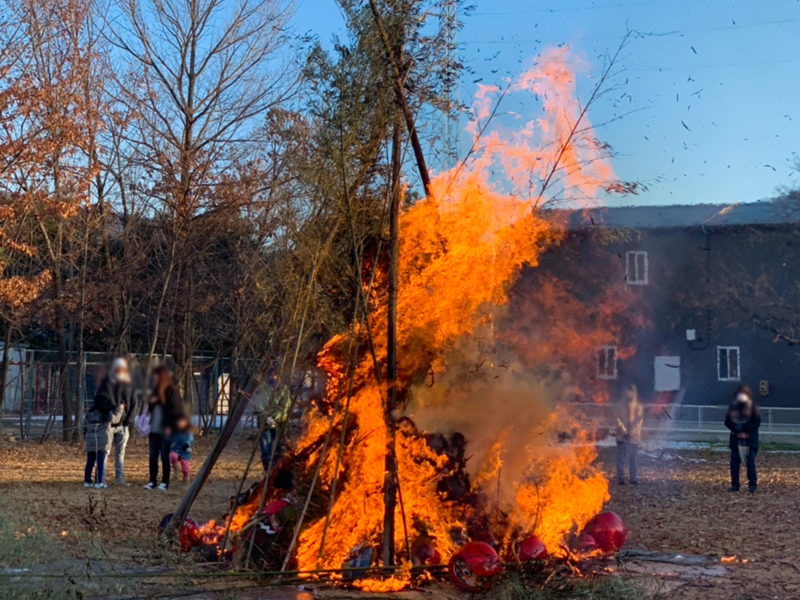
202,72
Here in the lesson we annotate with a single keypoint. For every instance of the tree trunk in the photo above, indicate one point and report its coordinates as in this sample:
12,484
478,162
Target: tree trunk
390,477
4,372
61,333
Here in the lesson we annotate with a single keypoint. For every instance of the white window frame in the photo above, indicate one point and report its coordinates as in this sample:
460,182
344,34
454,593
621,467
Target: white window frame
637,278
602,366
727,350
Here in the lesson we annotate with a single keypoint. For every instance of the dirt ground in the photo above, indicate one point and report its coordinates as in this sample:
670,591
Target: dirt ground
43,485
682,505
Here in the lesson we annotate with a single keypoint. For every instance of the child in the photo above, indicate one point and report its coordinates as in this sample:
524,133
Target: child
181,453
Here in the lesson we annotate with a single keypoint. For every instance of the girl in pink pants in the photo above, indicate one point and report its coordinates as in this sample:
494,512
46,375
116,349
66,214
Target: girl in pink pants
181,453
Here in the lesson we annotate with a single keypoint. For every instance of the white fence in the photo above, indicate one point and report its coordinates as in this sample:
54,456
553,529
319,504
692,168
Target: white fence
700,422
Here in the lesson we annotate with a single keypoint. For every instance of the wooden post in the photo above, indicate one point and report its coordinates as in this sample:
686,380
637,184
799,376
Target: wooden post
390,476
402,102
234,416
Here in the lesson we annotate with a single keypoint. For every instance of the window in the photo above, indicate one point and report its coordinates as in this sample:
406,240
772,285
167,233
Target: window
667,373
728,368
607,362
636,267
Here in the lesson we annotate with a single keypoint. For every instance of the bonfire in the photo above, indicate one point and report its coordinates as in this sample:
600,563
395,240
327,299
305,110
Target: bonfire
488,466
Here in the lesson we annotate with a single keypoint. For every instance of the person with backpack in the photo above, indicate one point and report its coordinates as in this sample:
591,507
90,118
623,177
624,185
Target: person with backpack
116,390
167,416
743,421
103,415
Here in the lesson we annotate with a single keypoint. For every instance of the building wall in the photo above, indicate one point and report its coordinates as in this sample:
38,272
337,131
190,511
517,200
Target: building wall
692,275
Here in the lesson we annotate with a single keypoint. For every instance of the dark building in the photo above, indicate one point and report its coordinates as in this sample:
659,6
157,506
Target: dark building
718,288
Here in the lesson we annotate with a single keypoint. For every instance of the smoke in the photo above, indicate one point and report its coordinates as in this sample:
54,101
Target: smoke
502,408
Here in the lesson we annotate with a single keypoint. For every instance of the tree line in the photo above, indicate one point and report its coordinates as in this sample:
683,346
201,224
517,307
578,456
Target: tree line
190,176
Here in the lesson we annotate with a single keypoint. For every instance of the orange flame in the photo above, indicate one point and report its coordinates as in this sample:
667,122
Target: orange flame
461,248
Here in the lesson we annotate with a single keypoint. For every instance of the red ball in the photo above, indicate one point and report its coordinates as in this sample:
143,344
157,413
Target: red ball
474,566
532,548
608,530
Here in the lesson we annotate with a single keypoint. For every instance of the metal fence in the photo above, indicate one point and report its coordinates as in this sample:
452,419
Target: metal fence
34,405
697,422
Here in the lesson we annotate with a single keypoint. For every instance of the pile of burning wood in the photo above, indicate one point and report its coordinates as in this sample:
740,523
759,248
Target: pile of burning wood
259,529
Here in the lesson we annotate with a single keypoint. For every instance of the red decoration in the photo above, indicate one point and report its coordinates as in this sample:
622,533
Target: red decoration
608,530
532,548
274,507
189,535
586,543
473,567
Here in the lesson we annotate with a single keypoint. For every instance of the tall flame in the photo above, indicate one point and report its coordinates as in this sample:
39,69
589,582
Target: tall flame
460,250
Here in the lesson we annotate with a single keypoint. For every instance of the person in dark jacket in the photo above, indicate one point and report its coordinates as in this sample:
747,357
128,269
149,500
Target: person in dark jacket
167,415
116,390
743,421
103,415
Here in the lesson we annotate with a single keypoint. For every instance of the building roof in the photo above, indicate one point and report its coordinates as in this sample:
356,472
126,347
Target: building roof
774,212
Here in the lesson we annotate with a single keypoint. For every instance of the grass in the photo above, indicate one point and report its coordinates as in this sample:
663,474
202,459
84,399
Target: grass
564,585
22,543
24,546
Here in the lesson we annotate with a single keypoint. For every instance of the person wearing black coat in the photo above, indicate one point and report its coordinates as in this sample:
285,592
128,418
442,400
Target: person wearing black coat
103,415
743,421
116,390
167,416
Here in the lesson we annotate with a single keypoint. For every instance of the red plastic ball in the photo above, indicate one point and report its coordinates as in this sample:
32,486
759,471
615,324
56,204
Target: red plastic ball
608,530
474,566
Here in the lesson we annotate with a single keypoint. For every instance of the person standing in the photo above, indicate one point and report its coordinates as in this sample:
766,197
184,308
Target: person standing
116,390
269,434
103,415
180,455
743,421
167,415
630,419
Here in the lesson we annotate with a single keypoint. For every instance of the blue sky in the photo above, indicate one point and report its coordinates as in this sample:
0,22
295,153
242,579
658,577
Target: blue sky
716,92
